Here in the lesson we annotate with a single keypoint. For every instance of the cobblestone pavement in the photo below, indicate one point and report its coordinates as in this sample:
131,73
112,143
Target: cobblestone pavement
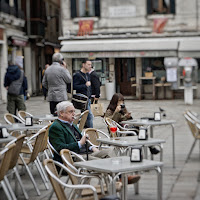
178,183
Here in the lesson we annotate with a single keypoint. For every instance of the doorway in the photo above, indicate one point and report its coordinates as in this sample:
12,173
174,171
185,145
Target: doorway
125,69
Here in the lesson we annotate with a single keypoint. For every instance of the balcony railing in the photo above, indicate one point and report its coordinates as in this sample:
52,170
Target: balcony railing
5,8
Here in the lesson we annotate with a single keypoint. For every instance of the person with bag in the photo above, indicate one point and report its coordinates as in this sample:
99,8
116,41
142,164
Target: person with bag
14,82
82,85
55,80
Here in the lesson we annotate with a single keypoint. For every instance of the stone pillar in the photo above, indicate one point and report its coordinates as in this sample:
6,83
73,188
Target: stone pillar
138,64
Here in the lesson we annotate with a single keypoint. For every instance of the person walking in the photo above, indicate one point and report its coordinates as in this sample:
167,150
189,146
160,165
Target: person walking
82,84
95,85
14,82
55,81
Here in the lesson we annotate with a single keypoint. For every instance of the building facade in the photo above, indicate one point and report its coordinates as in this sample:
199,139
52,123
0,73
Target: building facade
29,31
130,40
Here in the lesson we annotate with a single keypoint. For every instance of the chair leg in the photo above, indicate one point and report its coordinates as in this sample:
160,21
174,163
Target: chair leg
42,170
41,174
31,176
191,150
6,190
20,182
9,188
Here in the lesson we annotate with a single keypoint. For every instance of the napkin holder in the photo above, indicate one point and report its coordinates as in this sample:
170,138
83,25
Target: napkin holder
3,132
28,121
142,135
136,154
157,116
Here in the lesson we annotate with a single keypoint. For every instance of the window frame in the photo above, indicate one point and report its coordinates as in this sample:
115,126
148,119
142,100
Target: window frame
160,3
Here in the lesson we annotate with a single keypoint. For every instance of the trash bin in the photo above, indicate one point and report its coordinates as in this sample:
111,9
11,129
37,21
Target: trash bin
110,90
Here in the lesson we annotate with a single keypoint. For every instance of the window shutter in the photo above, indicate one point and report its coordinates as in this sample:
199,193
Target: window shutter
172,6
73,9
149,7
97,8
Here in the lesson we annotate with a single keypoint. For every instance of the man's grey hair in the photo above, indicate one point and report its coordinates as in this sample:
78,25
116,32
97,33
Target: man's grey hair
57,57
61,107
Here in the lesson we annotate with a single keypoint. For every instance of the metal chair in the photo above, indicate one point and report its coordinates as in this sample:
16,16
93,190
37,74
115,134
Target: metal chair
83,119
121,131
6,158
23,114
58,184
13,164
195,130
11,119
33,157
76,176
94,134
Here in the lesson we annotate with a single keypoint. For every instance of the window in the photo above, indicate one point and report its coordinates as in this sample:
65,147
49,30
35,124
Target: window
85,8
160,7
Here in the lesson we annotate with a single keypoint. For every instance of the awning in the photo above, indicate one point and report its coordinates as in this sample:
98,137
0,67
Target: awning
189,48
107,45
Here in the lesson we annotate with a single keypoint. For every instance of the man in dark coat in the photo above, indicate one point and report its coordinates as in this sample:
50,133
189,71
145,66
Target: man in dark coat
82,84
95,85
14,83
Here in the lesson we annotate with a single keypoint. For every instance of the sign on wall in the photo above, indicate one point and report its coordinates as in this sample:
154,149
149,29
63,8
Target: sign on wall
122,11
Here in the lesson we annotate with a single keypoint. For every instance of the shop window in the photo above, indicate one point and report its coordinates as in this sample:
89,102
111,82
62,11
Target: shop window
160,7
99,65
85,8
154,65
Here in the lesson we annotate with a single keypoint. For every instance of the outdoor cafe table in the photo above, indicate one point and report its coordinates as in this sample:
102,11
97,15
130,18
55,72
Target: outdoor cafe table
123,143
151,124
122,165
41,118
7,139
23,127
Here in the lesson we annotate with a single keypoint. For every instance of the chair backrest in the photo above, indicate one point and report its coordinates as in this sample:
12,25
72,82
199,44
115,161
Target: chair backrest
10,119
45,141
17,149
23,114
93,135
83,119
69,163
192,125
193,116
5,157
38,145
76,121
52,172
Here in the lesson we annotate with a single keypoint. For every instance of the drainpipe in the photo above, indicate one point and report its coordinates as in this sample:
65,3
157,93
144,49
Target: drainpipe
28,17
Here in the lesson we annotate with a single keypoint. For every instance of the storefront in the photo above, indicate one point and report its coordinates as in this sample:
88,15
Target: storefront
117,60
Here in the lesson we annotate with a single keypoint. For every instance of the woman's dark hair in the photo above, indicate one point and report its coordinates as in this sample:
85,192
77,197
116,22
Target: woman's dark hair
113,102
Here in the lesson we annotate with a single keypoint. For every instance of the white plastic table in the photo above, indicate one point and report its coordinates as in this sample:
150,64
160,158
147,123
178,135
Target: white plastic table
22,127
123,143
122,165
151,124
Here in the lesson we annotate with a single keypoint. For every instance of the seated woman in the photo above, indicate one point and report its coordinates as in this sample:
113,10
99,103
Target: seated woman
117,111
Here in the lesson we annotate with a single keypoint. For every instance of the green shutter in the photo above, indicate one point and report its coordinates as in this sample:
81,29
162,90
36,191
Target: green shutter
73,9
97,8
149,7
172,6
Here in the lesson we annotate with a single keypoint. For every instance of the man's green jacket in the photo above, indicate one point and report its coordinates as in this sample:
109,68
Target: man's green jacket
61,137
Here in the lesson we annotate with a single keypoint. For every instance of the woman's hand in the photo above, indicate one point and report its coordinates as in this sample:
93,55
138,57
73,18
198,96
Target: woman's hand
118,108
128,115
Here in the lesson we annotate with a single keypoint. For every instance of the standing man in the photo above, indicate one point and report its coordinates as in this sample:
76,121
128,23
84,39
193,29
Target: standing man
14,83
82,84
95,85
55,81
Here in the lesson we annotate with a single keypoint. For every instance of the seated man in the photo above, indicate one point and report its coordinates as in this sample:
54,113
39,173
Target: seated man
63,134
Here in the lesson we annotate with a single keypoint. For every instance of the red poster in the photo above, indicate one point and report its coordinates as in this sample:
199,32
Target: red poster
159,24
85,27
